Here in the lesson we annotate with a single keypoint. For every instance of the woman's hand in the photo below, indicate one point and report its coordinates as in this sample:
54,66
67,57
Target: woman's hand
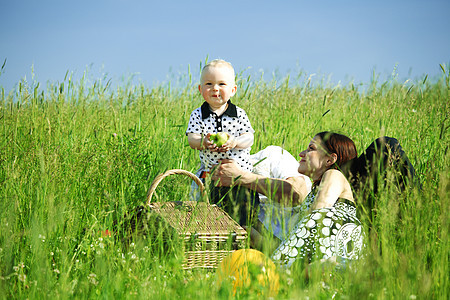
227,172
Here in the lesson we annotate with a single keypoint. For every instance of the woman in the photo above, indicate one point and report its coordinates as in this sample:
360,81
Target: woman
276,163
328,225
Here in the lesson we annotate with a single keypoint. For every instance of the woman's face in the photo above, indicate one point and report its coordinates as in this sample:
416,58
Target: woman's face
314,160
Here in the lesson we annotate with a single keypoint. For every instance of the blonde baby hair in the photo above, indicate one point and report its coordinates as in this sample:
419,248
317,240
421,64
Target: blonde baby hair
217,63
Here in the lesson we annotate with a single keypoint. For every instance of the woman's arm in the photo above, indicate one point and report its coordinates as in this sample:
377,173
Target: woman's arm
290,192
333,185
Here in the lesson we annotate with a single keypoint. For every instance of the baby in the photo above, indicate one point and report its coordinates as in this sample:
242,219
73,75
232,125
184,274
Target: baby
218,114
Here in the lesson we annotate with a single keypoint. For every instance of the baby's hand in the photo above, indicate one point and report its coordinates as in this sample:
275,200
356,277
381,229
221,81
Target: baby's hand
208,144
230,144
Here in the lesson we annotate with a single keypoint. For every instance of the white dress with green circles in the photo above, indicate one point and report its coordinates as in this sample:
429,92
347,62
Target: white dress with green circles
324,233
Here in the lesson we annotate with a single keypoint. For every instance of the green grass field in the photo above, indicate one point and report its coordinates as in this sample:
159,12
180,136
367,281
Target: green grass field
75,156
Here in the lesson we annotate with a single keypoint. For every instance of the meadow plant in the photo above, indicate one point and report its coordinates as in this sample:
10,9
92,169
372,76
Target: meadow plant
76,157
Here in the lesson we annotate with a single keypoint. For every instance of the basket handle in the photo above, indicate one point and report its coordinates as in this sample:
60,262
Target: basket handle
161,176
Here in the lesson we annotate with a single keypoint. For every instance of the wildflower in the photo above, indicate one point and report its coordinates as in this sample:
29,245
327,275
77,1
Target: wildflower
51,253
16,268
290,281
22,277
412,297
92,278
106,233
324,285
56,271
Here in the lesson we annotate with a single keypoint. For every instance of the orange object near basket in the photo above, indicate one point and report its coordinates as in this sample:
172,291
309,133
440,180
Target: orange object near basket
208,233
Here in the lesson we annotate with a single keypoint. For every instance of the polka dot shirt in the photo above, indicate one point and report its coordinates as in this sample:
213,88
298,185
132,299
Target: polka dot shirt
233,121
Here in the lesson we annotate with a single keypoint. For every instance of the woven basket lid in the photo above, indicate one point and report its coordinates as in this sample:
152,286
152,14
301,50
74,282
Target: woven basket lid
189,217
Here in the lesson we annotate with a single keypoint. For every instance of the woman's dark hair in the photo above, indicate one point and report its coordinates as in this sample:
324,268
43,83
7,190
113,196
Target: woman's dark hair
339,144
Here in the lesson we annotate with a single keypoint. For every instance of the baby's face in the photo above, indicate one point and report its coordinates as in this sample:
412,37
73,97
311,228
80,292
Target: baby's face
217,86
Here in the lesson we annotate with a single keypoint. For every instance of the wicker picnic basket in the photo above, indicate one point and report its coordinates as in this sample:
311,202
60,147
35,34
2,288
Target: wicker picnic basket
208,233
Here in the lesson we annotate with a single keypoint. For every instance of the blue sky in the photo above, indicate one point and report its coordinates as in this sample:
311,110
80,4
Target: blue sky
341,41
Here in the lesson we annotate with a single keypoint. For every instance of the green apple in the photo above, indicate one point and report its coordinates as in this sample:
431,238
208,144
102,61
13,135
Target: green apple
219,138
